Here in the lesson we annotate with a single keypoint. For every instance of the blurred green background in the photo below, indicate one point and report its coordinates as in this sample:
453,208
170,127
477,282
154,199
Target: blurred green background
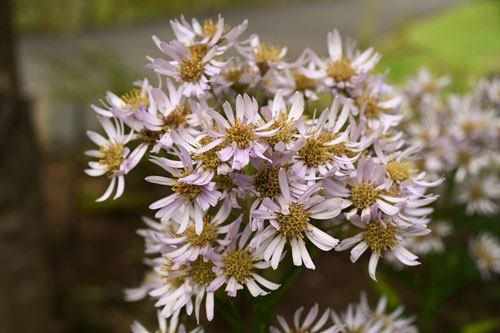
71,51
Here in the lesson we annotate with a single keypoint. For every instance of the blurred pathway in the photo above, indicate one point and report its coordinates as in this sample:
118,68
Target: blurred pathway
296,25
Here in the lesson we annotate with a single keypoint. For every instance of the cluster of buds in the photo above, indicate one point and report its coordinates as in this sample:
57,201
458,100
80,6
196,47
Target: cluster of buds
252,171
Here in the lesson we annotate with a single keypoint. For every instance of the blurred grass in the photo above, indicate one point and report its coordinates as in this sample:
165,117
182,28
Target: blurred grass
463,42
63,16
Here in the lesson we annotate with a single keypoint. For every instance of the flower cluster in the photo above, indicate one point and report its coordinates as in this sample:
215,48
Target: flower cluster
251,170
459,136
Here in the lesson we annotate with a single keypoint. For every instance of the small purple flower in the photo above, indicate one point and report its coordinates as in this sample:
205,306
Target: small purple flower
290,220
193,193
115,158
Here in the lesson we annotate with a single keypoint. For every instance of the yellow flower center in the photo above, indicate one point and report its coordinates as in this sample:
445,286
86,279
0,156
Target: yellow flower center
239,264
112,156
302,82
266,182
176,118
267,53
380,236
295,223
464,157
400,171
240,133
372,109
315,152
477,192
149,137
210,28
207,236
364,195
233,75
284,134
187,191
135,97
209,159
201,271
192,67
340,70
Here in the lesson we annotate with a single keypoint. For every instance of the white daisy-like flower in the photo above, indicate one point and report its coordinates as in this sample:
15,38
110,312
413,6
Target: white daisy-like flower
285,119
310,323
166,113
164,327
377,104
345,67
381,234
355,319
193,193
433,241
290,220
467,158
393,322
181,284
210,33
424,86
239,137
366,190
126,106
262,56
192,66
291,79
485,249
324,144
115,158
189,245
237,265
480,194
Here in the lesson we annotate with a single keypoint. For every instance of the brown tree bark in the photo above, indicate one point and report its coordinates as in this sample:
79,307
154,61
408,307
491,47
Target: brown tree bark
24,296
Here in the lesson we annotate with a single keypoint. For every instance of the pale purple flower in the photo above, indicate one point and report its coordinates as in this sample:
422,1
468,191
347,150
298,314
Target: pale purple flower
115,158
180,285
485,249
239,137
424,86
324,144
126,106
290,220
264,57
210,33
237,267
166,113
381,234
378,104
285,118
310,324
164,327
193,193
189,245
432,242
345,67
366,190
481,195
192,66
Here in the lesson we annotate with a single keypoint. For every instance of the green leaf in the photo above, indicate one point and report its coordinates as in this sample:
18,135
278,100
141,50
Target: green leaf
482,326
384,288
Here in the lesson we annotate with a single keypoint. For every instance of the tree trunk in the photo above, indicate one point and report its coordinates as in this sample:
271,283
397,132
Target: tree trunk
24,296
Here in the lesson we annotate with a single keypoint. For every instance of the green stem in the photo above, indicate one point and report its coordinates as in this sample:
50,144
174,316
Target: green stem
230,314
265,307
